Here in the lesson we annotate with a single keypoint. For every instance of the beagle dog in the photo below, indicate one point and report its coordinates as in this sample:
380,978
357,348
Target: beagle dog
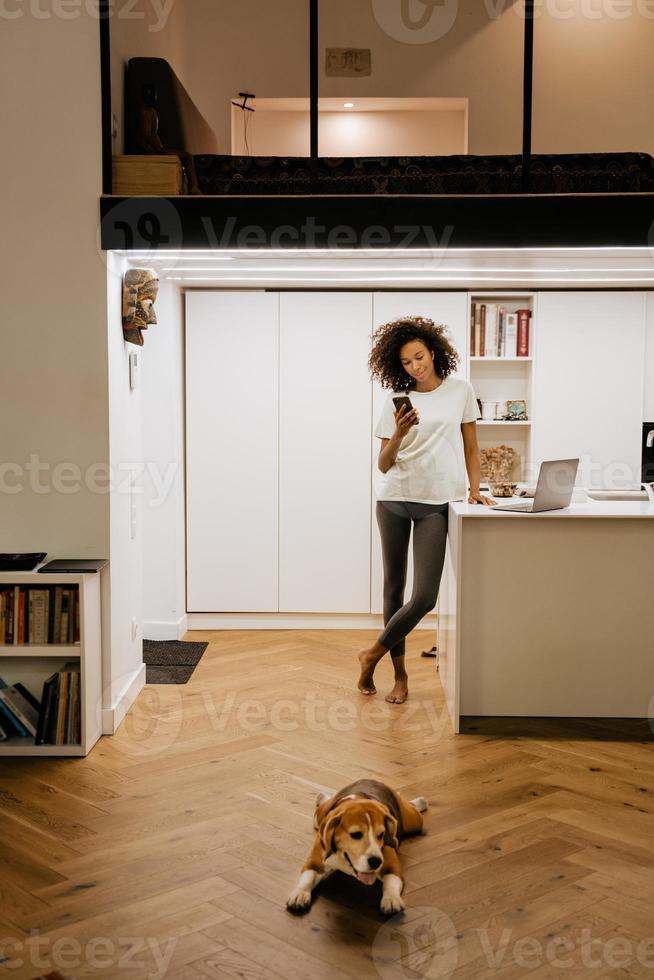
358,831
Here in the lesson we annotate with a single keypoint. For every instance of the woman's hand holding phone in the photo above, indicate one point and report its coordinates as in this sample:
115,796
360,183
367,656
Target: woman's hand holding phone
404,419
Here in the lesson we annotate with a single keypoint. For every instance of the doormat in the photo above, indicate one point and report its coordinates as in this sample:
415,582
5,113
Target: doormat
171,661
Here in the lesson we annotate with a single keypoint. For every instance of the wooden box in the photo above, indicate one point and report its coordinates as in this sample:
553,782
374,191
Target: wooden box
146,176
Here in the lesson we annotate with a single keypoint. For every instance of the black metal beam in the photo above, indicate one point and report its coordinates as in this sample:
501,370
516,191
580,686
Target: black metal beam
527,94
377,221
104,12
313,83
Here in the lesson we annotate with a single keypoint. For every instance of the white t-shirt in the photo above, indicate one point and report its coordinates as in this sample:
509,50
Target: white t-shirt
430,466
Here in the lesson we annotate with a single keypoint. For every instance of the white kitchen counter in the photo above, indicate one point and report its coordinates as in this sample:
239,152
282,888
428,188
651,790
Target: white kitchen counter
548,615
594,508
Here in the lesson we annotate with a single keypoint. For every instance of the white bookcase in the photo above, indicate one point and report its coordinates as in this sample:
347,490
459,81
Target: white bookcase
503,378
30,664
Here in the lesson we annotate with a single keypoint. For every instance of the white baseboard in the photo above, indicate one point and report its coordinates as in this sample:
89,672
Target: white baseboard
292,621
113,716
166,631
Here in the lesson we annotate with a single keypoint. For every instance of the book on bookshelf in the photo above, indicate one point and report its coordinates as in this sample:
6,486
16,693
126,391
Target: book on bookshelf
511,339
524,322
496,332
490,334
39,614
55,720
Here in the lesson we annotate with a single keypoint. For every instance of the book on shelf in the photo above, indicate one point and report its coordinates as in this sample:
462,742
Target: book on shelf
39,614
524,322
495,332
55,719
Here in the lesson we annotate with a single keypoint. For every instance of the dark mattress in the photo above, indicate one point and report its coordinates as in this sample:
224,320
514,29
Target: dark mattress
571,173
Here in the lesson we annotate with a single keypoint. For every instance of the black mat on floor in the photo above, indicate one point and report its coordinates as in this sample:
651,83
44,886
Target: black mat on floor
171,661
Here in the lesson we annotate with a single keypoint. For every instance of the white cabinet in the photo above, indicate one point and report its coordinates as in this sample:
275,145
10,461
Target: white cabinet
232,340
281,459
589,384
324,452
450,309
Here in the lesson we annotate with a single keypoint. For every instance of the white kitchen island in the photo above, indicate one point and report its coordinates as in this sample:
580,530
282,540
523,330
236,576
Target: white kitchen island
548,615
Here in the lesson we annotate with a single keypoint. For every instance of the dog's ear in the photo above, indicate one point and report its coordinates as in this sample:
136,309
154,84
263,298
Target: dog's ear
390,837
327,831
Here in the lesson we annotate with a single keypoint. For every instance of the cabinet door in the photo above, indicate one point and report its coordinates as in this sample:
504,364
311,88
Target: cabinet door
588,384
232,341
325,432
443,308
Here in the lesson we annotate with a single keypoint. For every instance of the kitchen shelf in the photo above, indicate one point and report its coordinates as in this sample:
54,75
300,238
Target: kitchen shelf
503,360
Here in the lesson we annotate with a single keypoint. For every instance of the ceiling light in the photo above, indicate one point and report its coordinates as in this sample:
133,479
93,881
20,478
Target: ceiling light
348,105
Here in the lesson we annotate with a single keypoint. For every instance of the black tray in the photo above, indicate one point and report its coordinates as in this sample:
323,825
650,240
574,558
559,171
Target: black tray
23,562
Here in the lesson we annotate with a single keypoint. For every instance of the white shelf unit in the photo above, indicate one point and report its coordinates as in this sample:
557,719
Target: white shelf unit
30,664
504,378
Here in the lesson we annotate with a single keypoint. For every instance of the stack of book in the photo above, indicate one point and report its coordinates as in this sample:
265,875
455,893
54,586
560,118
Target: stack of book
36,614
55,720
494,332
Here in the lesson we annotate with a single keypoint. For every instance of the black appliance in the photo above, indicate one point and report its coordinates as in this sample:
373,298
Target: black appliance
647,468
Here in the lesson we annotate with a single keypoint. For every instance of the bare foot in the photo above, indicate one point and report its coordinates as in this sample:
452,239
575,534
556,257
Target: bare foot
400,691
366,684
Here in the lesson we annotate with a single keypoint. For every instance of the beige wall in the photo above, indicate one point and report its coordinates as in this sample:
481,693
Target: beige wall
593,80
53,314
379,133
592,72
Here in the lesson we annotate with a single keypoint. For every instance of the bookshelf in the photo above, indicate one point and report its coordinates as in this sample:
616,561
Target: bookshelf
500,379
31,663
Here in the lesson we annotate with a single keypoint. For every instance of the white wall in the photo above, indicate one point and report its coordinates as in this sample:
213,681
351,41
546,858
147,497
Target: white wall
378,133
147,582
53,368
123,659
163,537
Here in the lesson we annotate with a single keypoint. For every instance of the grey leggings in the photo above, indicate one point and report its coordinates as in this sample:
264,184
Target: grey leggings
394,518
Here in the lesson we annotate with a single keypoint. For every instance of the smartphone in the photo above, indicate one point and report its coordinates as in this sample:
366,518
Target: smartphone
399,400
402,400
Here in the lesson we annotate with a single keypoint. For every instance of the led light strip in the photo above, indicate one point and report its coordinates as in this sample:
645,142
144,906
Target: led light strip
420,279
375,269
377,251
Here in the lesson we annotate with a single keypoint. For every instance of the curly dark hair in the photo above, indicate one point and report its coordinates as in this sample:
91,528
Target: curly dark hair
384,360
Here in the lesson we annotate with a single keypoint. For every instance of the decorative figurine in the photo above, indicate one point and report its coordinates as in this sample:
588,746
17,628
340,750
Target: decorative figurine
140,288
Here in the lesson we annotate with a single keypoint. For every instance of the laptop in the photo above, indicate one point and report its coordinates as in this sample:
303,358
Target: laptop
556,481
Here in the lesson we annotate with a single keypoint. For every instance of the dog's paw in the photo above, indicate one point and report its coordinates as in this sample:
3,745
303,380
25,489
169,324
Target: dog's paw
420,803
299,900
390,904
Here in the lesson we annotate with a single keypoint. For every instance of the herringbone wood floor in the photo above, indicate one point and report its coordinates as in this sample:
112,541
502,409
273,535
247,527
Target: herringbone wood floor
177,841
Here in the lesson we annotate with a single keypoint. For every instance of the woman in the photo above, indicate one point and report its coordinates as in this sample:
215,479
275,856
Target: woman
421,462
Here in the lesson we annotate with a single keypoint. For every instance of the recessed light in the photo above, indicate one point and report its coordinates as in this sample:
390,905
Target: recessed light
348,105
